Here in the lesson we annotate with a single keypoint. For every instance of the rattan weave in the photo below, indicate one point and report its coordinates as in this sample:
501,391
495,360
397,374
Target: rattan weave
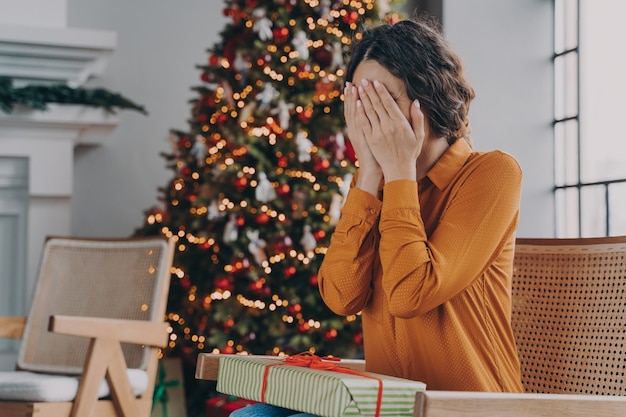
569,314
95,278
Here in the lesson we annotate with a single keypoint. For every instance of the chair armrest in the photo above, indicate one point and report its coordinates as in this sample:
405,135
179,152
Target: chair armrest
207,364
12,327
139,332
499,404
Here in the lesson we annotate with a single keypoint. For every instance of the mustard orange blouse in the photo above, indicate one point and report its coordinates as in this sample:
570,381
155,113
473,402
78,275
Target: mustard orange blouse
430,269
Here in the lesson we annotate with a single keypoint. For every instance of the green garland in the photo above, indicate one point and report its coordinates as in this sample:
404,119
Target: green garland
38,96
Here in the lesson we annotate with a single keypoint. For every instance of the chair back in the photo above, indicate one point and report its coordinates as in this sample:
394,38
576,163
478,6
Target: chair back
107,278
569,314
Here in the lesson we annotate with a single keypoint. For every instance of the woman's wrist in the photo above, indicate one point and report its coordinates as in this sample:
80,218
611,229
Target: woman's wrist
369,182
407,172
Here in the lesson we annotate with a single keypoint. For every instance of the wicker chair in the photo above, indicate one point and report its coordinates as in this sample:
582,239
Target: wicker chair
95,326
569,320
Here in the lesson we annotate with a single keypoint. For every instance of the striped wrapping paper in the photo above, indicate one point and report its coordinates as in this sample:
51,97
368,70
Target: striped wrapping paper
325,393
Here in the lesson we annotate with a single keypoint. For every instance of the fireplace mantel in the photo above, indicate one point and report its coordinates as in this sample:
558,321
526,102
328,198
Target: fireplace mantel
85,125
54,55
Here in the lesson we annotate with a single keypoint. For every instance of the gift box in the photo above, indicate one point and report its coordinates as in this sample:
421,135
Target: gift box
326,389
223,405
169,394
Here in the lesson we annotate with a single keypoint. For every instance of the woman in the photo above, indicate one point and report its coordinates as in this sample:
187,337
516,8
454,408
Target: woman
424,247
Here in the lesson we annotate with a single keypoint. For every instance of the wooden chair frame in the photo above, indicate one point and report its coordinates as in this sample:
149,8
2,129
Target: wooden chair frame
105,359
485,404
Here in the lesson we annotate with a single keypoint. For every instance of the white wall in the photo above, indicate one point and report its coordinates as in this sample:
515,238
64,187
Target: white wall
506,46
49,13
159,44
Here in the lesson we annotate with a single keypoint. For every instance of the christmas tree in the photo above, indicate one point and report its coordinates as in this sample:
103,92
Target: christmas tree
259,181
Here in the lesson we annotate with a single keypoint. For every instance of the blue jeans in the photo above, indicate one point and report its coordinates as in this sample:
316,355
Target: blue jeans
266,410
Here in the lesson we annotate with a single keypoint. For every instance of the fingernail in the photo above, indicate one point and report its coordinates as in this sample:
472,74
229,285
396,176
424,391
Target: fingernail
376,84
358,103
416,103
360,89
364,82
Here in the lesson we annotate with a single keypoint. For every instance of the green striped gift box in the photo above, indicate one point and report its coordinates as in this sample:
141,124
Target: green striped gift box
325,393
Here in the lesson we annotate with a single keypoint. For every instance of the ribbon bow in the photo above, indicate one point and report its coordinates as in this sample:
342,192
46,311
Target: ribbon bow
160,393
309,360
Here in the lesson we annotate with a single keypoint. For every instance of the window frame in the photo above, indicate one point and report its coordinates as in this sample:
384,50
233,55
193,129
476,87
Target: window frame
565,190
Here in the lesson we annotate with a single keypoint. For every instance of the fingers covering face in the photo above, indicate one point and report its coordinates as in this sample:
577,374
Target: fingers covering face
356,118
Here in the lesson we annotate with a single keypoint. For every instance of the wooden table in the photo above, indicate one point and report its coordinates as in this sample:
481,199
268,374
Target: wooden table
477,404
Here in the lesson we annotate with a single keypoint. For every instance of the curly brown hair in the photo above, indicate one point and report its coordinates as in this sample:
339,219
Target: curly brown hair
415,51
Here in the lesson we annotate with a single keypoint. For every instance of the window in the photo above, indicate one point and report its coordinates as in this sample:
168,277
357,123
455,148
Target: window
589,117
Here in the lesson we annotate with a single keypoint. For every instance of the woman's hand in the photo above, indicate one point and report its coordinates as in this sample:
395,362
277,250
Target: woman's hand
359,128
394,140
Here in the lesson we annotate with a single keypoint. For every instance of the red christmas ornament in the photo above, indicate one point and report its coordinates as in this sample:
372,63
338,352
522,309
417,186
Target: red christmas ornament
224,283
214,60
240,221
351,17
325,140
358,338
202,118
205,246
289,271
240,183
185,283
228,350
221,118
322,165
257,286
281,35
313,280
206,100
205,77
232,46
234,13
331,334
183,142
202,324
283,162
305,115
283,189
295,309
185,171
323,56
303,327
262,218
283,244
320,234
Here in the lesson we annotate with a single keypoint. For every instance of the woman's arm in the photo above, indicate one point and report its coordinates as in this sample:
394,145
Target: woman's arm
420,273
345,275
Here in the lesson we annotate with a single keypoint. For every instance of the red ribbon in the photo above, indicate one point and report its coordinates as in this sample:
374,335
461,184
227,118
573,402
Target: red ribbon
309,360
